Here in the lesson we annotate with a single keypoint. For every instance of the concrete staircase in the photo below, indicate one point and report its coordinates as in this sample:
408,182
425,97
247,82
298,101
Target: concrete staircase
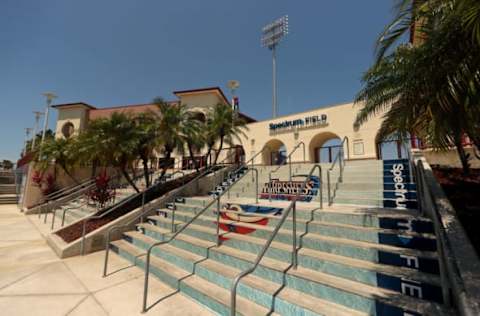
8,193
356,257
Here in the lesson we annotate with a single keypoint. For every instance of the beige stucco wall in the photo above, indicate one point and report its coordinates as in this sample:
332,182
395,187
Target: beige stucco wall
77,115
201,101
339,123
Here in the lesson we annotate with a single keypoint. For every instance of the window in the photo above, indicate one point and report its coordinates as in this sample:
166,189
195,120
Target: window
68,129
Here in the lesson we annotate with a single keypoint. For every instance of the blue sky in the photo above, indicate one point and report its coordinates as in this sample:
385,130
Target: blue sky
116,52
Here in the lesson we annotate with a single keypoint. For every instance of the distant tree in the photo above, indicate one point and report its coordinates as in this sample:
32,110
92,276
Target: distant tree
7,164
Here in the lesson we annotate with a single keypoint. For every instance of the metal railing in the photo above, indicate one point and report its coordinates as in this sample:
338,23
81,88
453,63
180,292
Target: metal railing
114,208
216,200
72,196
459,264
289,158
143,213
340,159
292,207
68,189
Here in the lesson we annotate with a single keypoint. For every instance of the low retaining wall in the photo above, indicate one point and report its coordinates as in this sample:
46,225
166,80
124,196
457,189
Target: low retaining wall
95,240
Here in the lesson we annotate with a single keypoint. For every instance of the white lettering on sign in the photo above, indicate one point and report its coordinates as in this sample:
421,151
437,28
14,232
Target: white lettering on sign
411,261
400,191
412,288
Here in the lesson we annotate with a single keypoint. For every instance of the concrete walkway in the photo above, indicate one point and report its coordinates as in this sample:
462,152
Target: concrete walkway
34,281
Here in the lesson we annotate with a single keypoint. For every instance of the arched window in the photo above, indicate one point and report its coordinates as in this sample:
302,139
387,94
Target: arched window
68,129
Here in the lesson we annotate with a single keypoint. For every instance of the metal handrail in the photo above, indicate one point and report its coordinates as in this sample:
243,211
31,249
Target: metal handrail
289,157
73,187
159,243
115,207
144,212
256,184
260,256
340,157
45,208
450,271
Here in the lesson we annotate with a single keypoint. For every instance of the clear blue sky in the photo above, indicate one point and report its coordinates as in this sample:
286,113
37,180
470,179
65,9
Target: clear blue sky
116,52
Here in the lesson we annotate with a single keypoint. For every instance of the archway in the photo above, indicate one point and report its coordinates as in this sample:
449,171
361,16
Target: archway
324,147
275,153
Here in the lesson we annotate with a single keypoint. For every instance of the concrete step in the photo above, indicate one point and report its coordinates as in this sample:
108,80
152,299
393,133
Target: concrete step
337,290
375,274
396,237
207,293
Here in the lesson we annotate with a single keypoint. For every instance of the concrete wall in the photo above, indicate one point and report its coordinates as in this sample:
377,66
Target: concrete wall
77,115
339,124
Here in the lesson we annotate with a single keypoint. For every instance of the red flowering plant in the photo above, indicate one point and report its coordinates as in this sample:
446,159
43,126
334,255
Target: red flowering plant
49,186
37,178
102,193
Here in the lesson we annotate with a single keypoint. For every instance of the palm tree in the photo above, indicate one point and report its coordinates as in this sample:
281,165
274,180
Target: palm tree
227,124
113,141
61,151
147,131
193,136
171,120
430,89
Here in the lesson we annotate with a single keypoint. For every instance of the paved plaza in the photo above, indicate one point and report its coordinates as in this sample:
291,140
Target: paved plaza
34,281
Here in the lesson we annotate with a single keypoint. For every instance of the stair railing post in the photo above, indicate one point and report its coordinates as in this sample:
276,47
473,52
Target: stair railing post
145,283
218,220
256,187
294,235
53,219
320,186
174,207
143,206
107,248
82,248
328,185
289,168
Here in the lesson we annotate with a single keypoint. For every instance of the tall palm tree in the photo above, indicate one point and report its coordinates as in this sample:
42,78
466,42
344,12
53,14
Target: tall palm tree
113,141
228,126
430,89
193,136
61,151
171,121
147,131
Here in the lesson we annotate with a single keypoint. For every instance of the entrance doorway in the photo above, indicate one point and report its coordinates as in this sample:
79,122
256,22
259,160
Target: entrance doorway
275,153
324,147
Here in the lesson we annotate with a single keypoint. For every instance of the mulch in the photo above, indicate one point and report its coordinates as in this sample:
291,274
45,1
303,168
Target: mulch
463,191
73,232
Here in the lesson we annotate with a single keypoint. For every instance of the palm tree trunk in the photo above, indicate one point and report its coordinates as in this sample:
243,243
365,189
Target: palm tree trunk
209,151
190,151
462,155
129,180
68,173
165,167
219,150
145,170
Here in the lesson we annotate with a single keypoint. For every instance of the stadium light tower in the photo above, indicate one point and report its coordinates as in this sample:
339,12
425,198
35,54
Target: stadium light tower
38,114
272,34
50,96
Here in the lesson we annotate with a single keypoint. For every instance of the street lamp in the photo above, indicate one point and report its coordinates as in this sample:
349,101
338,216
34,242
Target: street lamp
27,133
272,34
50,96
38,114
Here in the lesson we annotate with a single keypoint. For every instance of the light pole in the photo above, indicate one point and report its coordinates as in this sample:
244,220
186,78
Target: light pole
27,133
38,114
272,34
50,96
